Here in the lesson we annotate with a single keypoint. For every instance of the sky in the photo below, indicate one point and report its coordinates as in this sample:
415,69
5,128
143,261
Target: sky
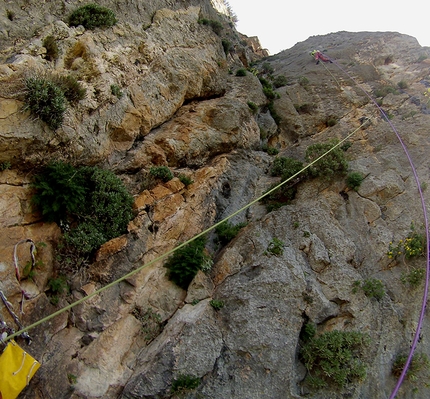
280,24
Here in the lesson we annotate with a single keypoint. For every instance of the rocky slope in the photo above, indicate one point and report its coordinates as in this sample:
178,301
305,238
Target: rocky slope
183,106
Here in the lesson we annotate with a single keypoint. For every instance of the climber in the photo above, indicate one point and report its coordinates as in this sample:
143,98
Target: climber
320,56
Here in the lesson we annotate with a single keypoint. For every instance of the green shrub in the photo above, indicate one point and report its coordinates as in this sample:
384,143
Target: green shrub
271,150
334,358
116,91
51,48
184,383
241,72
92,16
72,89
331,164
308,331
413,245
273,113
60,191
354,180
285,167
303,81
414,278
275,247
418,366
280,81
185,180
227,231
372,288
270,93
215,25
383,91
185,262
5,165
161,172
331,121
252,106
402,85
226,45
216,304
92,202
45,100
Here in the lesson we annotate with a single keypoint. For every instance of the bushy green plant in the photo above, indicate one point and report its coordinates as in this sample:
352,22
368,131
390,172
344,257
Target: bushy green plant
372,288
308,331
334,358
303,81
402,85
184,383
60,191
71,88
354,180
5,165
51,48
45,100
226,45
185,262
413,245
334,163
215,25
227,231
383,91
241,72
185,180
252,106
418,366
413,278
161,172
285,167
275,247
280,81
116,91
270,150
92,16
93,202
273,113
216,304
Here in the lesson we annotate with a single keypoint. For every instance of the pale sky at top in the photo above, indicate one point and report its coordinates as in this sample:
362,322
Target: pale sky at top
280,24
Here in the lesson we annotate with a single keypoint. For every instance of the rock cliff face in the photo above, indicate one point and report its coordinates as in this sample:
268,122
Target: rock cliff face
183,106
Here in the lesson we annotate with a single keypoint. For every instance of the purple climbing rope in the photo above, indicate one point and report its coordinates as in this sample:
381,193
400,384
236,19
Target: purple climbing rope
423,205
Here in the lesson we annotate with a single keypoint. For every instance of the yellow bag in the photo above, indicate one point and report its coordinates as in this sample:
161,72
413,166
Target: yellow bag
17,368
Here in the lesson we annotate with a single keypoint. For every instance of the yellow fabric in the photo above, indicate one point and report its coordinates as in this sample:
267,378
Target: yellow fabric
17,368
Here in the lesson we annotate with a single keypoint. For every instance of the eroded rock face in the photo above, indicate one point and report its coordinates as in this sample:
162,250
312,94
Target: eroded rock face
180,107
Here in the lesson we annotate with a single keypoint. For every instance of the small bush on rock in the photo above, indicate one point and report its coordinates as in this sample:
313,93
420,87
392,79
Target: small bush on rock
72,89
92,16
334,358
46,100
91,203
184,383
354,180
185,262
227,231
334,163
51,48
161,172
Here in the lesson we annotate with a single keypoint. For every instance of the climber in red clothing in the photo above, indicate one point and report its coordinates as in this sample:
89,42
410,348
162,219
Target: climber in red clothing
320,57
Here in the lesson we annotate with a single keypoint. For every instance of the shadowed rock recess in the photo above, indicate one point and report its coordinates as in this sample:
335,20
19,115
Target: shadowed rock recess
174,85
